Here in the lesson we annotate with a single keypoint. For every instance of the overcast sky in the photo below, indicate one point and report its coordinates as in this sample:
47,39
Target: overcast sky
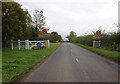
80,16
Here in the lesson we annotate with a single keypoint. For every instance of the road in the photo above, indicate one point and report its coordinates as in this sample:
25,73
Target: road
71,63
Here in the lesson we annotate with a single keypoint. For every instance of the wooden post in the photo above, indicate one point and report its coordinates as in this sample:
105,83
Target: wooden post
12,44
48,43
19,44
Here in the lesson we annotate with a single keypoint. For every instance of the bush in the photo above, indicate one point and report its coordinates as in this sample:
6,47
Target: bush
109,41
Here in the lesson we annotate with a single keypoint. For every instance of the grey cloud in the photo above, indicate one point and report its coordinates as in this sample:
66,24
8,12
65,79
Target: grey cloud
62,15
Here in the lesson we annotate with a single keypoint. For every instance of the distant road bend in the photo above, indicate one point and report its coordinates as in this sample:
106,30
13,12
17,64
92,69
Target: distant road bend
71,63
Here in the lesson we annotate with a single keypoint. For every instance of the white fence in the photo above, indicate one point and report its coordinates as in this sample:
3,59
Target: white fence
27,44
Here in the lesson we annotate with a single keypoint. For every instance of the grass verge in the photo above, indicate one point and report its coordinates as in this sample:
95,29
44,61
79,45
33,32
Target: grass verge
113,55
17,62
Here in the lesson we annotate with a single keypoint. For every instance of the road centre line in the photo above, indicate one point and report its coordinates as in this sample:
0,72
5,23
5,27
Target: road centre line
77,60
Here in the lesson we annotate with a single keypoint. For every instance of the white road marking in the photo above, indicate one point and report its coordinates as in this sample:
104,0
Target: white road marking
77,60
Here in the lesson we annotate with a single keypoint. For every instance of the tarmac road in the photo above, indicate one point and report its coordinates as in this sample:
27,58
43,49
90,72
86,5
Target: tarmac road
71,63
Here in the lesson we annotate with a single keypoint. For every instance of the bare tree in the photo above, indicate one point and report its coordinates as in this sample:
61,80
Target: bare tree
39,20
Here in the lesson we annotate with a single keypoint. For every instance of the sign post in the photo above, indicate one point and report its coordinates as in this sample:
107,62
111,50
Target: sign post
48,43
93,43
99,43
44,34
95,37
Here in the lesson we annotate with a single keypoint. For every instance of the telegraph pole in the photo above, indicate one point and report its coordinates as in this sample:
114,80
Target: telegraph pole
119,16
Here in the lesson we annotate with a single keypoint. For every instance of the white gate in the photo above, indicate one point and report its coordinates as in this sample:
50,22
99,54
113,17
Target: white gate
27,44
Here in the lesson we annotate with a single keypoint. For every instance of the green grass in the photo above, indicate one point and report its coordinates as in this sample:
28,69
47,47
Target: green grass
17,62
113,55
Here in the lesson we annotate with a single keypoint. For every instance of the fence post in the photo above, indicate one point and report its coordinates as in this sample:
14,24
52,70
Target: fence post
48,43
12,44
19,44
27,44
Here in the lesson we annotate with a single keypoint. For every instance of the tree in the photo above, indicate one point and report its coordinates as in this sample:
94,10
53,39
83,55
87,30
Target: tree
39,20
55,37
29,19
71,36
30,30
14,22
